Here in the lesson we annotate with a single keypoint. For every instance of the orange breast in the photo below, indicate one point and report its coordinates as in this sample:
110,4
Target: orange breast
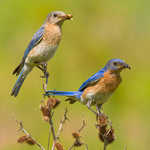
108,83
52,34
105,86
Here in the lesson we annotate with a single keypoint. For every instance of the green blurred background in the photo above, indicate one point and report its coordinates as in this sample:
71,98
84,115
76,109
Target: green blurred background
101,30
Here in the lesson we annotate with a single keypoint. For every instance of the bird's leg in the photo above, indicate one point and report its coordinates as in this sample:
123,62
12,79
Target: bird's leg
40,67
92,110
43,68
46,75
98,107
89,106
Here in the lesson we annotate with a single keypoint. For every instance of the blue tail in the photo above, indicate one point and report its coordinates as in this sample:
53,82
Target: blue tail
18,84
75,94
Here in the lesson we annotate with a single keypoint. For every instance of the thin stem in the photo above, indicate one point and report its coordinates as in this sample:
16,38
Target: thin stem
60,127
49,139
27,133
82,127
72,146
92,110
77,141
52,129
62,123
86,146
105,145
125,148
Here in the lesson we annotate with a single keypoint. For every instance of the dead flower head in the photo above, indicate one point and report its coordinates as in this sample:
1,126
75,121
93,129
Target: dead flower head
26,139
47,106
58,146
106,132
76,136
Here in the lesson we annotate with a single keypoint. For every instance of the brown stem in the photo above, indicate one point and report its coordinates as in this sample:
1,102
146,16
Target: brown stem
105,145
82,127
62,122
52,130
77,139
61,127
72,146
29,135
49,139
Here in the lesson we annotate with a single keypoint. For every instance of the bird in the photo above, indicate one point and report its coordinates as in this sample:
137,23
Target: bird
98,88
41,48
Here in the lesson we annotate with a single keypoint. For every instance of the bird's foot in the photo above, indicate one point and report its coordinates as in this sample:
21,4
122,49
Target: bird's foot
46,76
43,67
98,108
92,110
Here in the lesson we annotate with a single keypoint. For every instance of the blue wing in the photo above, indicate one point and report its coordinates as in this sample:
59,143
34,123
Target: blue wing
92,79
35,40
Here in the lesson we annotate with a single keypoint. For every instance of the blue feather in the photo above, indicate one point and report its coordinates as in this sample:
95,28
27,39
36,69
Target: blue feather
35,40
18,84
93,79
75,94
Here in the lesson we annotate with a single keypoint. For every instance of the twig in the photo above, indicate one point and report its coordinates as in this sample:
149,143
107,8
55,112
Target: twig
61,127
62,123
72,146
26,133
82,127
105,145
77,136
49,139
125,147
86,146
52,130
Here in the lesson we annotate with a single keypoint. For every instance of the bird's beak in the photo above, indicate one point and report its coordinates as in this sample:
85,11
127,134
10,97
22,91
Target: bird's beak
66,17
127,66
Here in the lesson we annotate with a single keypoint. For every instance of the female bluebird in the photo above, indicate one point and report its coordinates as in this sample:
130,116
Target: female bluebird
99,87
41,48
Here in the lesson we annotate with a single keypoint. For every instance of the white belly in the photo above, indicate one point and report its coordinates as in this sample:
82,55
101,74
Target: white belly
41,53
95,98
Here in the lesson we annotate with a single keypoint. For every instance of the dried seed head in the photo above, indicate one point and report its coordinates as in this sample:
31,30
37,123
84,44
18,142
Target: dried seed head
102,120
78,143
76,135
22,139
45,112
106,132
26,139
52,103
58,146
110,136
47,106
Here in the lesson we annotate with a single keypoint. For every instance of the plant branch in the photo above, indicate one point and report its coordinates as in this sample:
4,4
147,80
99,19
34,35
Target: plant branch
51,130
76,135
21,128
82,127
62,122
105,145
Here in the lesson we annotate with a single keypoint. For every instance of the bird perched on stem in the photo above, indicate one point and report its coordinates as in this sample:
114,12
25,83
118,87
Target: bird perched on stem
99,87
41,48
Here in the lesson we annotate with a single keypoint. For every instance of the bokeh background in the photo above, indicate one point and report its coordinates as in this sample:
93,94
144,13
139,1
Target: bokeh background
101,30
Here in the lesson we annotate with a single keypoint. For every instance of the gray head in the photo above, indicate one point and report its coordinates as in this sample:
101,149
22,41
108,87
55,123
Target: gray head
57,17
116,65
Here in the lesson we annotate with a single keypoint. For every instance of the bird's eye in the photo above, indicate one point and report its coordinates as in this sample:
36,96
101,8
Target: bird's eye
115,63
55,15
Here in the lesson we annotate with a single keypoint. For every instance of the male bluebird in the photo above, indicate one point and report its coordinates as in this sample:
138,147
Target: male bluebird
41,48
99,87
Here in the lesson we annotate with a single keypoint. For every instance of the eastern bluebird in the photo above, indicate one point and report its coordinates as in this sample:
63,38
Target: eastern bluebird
41,48
99,87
